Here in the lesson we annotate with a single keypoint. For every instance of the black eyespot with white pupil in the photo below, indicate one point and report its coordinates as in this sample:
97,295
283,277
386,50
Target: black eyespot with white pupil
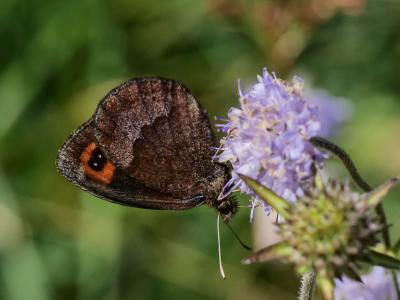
97,160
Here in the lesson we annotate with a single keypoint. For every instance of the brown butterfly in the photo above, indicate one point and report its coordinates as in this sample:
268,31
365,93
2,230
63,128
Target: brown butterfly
149,144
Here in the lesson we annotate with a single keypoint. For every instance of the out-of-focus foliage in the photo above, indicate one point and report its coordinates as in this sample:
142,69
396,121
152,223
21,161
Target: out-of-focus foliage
58,58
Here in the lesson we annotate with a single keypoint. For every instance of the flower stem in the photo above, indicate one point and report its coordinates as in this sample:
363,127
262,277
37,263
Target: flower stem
348,163
307,286
396,284
345,158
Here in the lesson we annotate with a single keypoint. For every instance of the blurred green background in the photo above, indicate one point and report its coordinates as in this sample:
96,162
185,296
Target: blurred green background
58,58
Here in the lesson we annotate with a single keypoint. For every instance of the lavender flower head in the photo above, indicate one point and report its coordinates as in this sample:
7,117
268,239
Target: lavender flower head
377,284
267,138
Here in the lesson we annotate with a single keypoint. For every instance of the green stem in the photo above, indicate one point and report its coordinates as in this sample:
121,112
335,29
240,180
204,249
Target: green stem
348,163
396,284
307,286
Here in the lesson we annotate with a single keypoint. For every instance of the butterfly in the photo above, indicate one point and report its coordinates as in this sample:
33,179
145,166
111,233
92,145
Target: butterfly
149,144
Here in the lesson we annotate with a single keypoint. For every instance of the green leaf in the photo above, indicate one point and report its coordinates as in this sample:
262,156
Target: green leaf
325,284
319,183
351,273
276,251
396,247
383,259
376,195
268,196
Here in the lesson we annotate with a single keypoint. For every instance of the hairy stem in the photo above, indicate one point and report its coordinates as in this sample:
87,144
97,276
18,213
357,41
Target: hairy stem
307,286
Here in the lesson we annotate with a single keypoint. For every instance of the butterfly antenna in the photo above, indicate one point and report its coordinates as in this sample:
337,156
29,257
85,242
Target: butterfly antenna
221,268
237,237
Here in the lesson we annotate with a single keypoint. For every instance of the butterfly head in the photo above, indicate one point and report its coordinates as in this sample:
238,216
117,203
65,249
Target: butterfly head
227,208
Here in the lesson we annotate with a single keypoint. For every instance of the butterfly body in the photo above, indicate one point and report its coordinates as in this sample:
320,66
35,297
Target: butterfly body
149,145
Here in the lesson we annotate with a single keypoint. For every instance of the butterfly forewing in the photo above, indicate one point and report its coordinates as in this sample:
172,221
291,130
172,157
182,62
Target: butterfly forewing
156,132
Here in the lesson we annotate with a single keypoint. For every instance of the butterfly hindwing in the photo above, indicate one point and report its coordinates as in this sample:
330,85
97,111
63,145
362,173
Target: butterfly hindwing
121,188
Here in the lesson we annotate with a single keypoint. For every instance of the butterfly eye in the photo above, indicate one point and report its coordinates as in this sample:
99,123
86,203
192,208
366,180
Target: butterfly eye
97,160
96,166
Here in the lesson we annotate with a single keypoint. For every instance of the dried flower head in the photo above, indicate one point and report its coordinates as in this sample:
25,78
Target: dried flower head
330,231
267,138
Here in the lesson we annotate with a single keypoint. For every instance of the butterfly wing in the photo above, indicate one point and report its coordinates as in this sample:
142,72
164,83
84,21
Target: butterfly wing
155,131
121,189
157,142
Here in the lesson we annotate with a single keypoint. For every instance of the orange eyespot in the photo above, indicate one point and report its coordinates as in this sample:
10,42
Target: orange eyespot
96,166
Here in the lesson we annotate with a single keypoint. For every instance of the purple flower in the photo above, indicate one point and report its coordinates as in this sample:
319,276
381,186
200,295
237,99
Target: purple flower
332,111
267,138
378,284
